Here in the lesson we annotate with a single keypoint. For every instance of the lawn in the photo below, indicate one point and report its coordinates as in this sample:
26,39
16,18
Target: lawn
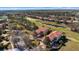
35,21
68,32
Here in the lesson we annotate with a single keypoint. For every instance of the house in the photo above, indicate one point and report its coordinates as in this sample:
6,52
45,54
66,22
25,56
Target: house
50,19
2,26
38,17
45,18
75,27
41,32
55,40
53,35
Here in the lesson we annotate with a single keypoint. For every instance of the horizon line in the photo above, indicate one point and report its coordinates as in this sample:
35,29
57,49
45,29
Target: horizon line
39,8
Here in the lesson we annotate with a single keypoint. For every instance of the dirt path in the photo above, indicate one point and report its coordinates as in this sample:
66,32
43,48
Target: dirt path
70,46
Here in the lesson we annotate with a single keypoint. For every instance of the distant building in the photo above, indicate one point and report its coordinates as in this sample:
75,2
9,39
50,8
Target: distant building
2,25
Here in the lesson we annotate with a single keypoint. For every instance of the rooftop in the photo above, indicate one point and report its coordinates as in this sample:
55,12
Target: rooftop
54,34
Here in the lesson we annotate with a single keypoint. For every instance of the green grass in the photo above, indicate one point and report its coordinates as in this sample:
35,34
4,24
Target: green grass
0,17
68,32
36,22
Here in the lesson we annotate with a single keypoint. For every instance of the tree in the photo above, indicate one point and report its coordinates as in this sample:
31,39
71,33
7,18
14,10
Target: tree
0,32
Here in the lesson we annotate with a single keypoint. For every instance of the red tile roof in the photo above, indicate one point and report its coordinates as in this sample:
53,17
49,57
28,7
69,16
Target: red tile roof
39,17
49,18
40,30
54,34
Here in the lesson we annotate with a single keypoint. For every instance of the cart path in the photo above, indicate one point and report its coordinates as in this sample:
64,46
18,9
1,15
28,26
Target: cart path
70,46
72,39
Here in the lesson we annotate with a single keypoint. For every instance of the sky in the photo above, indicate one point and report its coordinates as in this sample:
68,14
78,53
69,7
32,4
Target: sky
39,3
56,4
39,8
